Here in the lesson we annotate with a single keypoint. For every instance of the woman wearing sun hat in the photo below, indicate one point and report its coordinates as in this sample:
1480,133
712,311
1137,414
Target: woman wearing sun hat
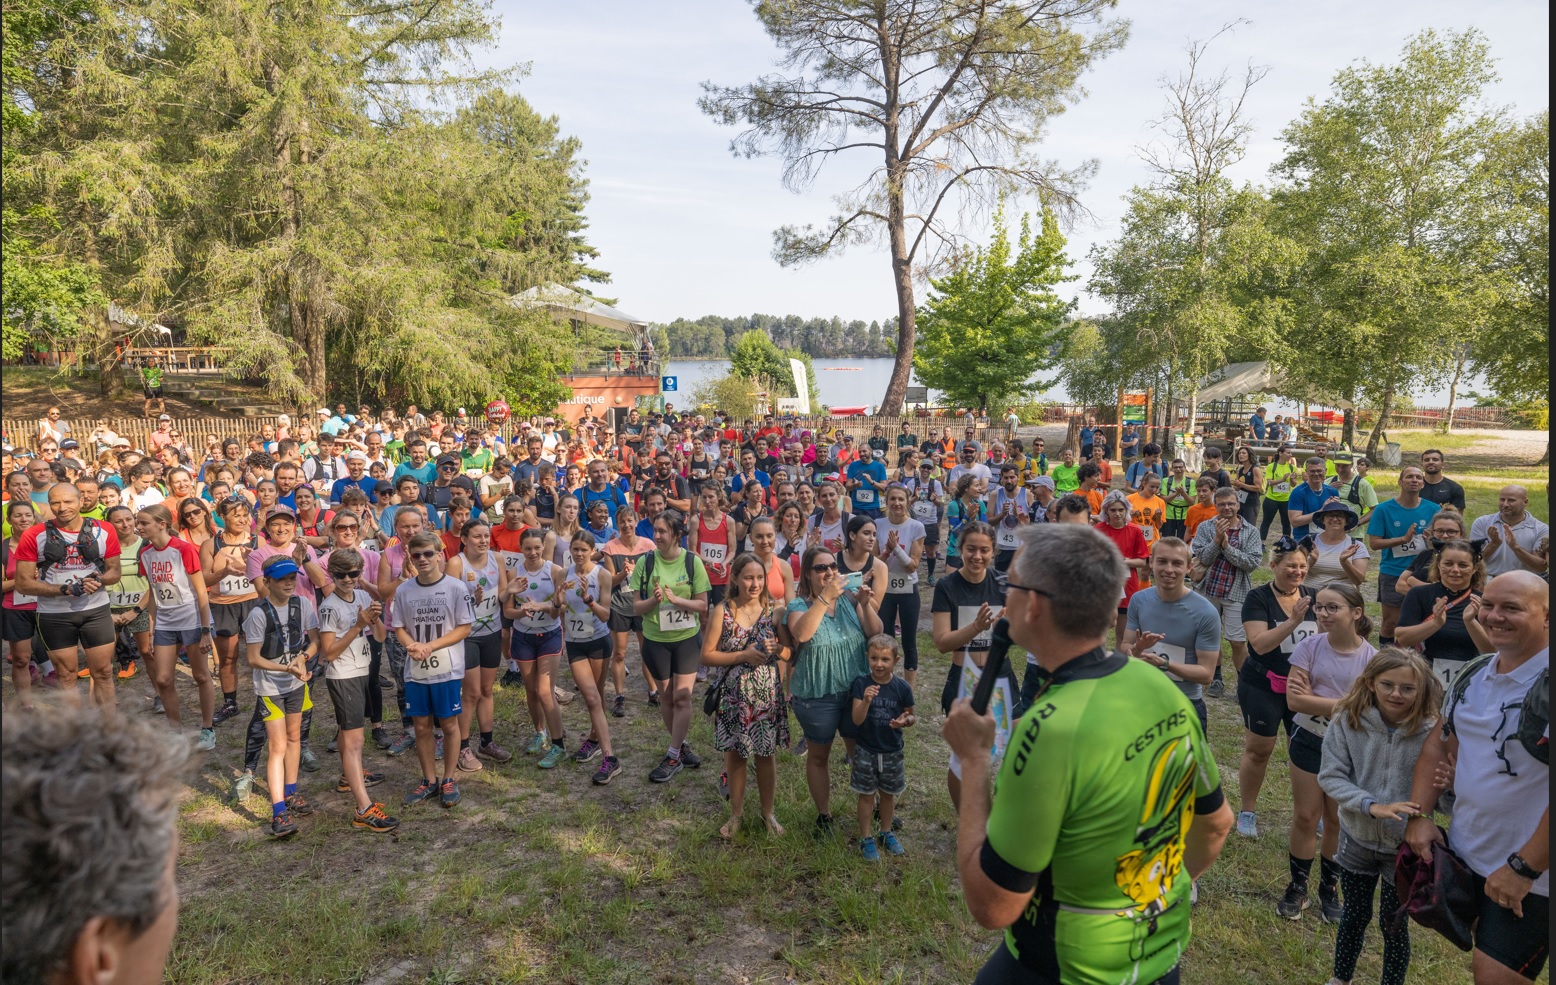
1336,556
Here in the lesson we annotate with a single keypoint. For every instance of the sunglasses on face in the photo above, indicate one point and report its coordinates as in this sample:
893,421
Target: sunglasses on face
423,555
351,574
829,566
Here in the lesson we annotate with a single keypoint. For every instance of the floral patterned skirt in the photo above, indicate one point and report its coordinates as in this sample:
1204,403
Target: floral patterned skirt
752,717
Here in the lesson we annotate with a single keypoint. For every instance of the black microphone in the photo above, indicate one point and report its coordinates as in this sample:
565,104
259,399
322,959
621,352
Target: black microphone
993,666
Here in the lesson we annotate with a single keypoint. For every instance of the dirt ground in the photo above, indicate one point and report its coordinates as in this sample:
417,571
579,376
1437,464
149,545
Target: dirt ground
29,391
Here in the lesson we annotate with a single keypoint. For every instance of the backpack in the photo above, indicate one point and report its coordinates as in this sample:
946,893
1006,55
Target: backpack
1534,716
648,571
55,547
294,628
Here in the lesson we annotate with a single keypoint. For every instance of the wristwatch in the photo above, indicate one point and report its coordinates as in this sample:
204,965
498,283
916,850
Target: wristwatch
1516,862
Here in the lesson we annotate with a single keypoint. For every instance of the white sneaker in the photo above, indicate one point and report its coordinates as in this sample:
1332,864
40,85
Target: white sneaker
1247,824
207,740
1194,893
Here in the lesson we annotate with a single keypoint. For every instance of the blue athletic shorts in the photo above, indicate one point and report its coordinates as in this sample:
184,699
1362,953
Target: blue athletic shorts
440,701
529,646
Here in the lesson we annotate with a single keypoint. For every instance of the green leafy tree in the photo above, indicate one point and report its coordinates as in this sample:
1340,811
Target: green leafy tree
1383,192
756,357
995,320
947,98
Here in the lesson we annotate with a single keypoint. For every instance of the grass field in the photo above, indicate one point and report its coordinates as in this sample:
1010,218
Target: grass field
541,877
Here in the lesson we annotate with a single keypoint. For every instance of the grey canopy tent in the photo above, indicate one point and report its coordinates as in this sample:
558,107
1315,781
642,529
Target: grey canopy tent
1238,379
565,302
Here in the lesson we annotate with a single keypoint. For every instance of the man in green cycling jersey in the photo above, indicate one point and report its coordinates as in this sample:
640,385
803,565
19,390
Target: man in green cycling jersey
1108,801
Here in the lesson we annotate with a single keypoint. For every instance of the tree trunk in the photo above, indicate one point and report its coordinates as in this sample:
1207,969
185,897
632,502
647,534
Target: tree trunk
1383,416
1453,388
902,280
1348,426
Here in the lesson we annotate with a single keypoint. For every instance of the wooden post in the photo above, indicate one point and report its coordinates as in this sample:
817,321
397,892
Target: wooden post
1118,436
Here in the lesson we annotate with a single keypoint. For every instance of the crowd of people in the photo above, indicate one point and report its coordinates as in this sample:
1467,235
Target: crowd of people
783,571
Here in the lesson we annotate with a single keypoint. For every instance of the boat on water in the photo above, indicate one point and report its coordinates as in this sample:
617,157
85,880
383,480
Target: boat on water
842,369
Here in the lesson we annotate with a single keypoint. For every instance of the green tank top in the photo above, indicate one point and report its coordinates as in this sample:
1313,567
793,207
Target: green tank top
1092,807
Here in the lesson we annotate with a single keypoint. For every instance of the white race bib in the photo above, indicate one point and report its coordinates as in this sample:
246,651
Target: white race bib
1242,495
1303,631
924,512
576,626
438,663
1005,538
19,600
674,619
235,585
864,494
713,552
1281,487
966,615
121,600
1171,652
1411,547
1310,723
511,561
896,584
168,593
1448,671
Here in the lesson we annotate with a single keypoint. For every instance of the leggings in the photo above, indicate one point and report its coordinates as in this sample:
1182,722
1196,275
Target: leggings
1272,509
373,711
1353,928
903,606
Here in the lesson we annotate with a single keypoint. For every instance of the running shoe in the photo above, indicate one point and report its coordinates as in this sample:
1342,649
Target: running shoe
494,752
537,744
896,819
468,763
384,683
297,805
450,794
309,761
587,750
689,759
510,678
127,672
423,790
374,819
207,740
369,779
334,745
36,677
619,707
157,707
1215,688
51,679
1194,893
609,767
1293,902
563,697
381,737
223,713
282,825
868,850
665,771
799,747
1248,824
1329,906
84,673
890,843
653,700
405,743
724,785
702,675
553,757
824,826
240,789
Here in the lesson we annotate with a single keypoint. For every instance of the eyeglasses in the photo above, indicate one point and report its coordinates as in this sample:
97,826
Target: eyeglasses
1026,588
347,526
1403,690
1328,610
423,555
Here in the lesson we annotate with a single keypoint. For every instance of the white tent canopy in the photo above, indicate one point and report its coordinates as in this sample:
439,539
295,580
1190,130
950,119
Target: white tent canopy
1237,379
565,302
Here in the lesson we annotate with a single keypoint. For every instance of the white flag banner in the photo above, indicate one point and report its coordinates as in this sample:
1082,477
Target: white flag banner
801,385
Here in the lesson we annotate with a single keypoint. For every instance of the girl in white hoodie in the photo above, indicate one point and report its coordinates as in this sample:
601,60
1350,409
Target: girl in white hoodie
1370,751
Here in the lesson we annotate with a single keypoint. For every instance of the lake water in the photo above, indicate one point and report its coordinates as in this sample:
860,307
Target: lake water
850,382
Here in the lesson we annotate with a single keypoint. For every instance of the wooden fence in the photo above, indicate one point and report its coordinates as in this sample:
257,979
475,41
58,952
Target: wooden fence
22,432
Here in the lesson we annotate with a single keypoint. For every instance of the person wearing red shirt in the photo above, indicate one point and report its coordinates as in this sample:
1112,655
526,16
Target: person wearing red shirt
1130,540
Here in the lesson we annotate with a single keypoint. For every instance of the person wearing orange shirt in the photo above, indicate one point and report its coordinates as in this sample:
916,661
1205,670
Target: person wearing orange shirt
1149,512
1205,508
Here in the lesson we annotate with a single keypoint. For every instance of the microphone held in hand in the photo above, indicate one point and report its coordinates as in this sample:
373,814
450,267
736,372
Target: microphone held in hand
993,666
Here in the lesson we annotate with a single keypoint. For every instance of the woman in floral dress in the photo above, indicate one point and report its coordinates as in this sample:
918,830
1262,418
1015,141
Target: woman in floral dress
751,718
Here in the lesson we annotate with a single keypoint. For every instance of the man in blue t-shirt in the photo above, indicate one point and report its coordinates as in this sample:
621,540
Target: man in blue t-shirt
417,464
867,482
1398,529
1308,497
356,475
1256,423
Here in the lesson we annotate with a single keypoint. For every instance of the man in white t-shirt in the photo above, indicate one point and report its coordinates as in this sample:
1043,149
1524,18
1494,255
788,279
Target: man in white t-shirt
1500,767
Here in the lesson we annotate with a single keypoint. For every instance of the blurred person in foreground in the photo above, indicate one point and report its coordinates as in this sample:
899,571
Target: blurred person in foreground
89,806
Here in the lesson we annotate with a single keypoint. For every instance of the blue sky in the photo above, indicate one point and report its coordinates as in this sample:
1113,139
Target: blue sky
685,228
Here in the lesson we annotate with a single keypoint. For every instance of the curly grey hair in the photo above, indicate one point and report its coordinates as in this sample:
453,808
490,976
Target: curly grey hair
1078,569
89,804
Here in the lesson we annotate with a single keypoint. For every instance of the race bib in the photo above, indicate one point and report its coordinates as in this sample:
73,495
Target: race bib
713,553
897,583
119,600
674,619
576,626
1174,655
1448,671
1242,495
966,615
1281,487
865,494
1005,538
924,512
1303,631
1411,547
235,585
1311,723
167,593
486,609
511,562
19,600
437,664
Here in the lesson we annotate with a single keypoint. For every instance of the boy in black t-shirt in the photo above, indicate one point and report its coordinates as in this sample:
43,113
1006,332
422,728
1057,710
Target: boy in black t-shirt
882,708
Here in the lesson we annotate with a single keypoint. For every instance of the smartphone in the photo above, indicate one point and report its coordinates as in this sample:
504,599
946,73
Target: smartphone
993,666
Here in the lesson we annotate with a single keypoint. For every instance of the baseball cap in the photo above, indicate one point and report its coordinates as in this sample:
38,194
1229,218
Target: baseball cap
325,411
462,412
447,460
121,442
165,417
1044,480
971,446
280,509
384,486
356,456
68,444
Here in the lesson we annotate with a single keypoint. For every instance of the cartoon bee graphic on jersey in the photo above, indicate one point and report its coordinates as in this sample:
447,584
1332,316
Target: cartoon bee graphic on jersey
1147,874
